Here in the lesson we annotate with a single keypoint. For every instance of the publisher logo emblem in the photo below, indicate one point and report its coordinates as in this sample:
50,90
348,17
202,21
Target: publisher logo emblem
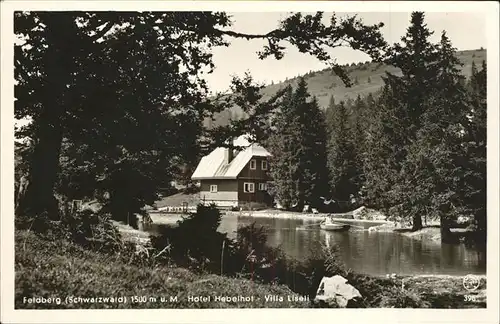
471,282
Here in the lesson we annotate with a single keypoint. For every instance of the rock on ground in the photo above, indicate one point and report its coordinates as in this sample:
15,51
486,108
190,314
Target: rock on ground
335,291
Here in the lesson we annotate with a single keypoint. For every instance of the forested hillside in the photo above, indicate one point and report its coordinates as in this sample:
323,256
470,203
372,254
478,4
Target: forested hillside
366,78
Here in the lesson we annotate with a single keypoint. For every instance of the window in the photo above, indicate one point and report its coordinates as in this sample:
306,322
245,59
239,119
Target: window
213,188
253,165
262,186
263,165
248,187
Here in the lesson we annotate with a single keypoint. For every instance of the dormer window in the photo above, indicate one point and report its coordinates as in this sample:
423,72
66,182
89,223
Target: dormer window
253,165
263,165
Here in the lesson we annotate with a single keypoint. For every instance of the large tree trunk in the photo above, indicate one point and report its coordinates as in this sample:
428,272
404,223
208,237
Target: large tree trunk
445,224
118,208
21,190
121,203
417,223
445,229
44,166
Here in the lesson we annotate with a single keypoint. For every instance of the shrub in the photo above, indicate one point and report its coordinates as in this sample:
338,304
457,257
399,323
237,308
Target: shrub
191,189
94,231
89,229
195,242
253,255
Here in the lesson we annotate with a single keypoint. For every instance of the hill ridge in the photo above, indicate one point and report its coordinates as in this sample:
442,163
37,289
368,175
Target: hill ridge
366,76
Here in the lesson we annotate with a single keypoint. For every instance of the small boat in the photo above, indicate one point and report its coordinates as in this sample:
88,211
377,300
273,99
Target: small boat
328,225
334,227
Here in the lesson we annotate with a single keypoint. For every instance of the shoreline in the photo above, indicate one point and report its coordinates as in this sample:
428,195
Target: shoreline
272,214
276,214
431,232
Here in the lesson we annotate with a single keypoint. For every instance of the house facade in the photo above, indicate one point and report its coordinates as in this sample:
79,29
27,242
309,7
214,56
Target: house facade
235,178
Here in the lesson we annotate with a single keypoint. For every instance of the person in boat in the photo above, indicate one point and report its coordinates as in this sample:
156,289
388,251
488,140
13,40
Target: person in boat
327,219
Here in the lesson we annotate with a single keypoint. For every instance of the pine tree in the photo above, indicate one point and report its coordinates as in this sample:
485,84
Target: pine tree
473,69
301,108
415,60
434,166
475,150
329,115
315,168
358,126
382,148
283,159
341,156
298,148
404,103
370,104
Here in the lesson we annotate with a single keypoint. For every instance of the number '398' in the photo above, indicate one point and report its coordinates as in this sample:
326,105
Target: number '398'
470,298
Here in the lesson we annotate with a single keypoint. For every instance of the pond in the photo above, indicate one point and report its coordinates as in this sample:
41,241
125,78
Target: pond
375,253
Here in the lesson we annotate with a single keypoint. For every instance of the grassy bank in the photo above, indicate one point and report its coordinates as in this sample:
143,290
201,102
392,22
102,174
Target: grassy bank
49,268
60,269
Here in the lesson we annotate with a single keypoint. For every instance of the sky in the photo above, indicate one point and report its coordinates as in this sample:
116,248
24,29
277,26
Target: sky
466,30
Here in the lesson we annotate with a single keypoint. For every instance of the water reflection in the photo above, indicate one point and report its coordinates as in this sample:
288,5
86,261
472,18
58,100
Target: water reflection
373,253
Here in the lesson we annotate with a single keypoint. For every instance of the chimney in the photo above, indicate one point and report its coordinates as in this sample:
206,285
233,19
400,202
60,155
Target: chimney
228,155
229,152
